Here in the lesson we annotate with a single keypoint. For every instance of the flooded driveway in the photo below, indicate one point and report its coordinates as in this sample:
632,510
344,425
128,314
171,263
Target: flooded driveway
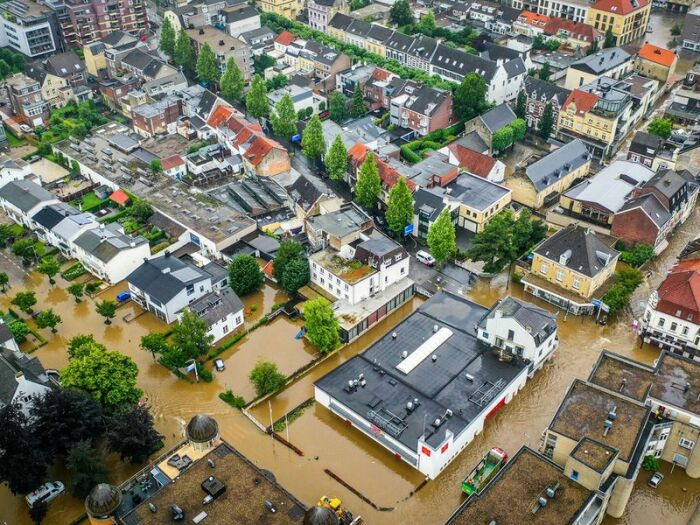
326,442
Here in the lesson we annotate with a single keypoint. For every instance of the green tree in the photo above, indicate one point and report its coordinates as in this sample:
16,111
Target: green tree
338,107
107,309
87,468
49,267
108,377
336,160
401,14
441,238
245,275
4,281
610,40
131,433
547,121
369,183
519,127
676,29
538,42
256,101
77,290
661,127
358,107
167,38
24,248
266,378
48,319
287,252
399,211
20,331
207,66
284,118
427,23
156,166
82,343
545,71
184,53
356,4
313,143
520,104
470,97
24,301
502,139
141,210
322,326
638,255
155,343
296,275
190,336
552,45
232,82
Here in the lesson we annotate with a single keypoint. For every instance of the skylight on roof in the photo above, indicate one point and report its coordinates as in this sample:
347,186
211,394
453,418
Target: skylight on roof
424,350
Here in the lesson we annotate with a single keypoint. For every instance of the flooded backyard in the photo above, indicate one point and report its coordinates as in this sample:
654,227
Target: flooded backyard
324,439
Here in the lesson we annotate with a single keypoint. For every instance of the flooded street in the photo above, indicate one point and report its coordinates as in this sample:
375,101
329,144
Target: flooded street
325,440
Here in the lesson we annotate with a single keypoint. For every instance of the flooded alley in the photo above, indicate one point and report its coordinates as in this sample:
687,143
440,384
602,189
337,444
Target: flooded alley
327,443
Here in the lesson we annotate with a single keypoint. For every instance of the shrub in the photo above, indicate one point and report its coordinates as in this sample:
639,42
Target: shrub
232,399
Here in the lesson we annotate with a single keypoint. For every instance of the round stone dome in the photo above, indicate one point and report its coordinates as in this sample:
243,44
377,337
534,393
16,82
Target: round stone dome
103,500
202,429
320,516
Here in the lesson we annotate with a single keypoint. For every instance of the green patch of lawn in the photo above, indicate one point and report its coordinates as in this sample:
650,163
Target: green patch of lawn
88,202
13,141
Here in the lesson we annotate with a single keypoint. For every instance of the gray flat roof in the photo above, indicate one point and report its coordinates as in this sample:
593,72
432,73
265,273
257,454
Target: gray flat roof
438,385
476,192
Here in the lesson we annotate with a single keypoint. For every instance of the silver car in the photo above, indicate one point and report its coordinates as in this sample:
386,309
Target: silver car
219,364
656,479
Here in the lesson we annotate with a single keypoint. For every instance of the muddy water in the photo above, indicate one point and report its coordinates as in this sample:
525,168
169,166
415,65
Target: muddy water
326,442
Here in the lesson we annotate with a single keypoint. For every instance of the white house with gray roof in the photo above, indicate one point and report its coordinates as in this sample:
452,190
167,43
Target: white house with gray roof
109,253
302,97
21,199
60,224
222,310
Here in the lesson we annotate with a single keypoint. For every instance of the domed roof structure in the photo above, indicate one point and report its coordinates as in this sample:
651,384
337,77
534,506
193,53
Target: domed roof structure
202,429
103,500
320,516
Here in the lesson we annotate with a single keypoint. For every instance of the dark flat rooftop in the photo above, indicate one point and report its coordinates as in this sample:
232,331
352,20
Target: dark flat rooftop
594,454
513,493
584,410
438,385
247,489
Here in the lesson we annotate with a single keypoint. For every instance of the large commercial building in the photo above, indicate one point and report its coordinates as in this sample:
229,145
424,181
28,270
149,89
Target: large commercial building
29,27
426,388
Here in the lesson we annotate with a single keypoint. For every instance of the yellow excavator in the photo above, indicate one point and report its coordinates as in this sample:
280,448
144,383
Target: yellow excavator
345,517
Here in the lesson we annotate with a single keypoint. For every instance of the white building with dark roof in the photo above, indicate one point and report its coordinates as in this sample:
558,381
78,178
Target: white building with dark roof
425,389
22,199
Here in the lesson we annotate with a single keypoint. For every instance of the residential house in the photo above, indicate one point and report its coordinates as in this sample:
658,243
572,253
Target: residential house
656,62
287,8
30,28
612,62
530,24
222,311
690,36
685,104
7,339
539,94
21,199
260,40
655,208
321,61
165,86
95,53
364,270
237,20
22,377
165,285
224,47
108,253
24,95
356,77
474,162
157,117
576,10
302,97
11,169
542,182
490,122
174,167
568,268
337,26
627,19
423,109
652,151
320,12
312,197
60,224
62,78
577,36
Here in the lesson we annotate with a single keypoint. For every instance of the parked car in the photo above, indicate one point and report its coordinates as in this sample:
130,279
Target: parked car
656,479
123,296
47,492
219,364
25,128
425,258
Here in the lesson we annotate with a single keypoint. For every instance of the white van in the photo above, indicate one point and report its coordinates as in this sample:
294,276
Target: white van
425,258
47,492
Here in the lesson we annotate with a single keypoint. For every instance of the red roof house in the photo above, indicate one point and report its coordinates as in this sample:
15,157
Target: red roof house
679,294
582,101
120,197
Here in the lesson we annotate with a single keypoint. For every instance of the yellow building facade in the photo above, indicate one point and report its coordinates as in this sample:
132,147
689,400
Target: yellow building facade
626,20
287,8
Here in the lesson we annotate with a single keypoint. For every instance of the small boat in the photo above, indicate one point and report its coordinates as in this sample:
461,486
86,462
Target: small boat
484,472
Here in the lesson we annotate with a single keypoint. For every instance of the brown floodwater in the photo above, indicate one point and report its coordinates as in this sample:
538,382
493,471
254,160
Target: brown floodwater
325,440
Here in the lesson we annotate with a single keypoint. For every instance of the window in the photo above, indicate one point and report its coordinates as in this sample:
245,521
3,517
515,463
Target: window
577,283
662,321
511,335
674,326
190,289
686,443
225,328
685,330
560,275
544,267
574,475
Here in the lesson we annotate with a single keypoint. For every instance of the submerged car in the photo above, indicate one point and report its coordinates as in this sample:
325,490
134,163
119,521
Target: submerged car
219,364
656,479
47,492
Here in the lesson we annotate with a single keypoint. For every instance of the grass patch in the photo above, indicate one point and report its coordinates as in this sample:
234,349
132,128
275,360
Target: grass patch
88,202
14,141
73,272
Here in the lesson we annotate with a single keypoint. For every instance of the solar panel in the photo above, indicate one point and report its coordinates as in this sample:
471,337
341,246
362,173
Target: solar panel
424,350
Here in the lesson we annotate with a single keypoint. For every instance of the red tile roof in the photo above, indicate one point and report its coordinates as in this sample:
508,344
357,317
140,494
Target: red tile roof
220,116
357,154
473,161
656,54
259,149
533,19
285,38
680,291
389,175
172,162
583,101
577,30
619,7
120,197
381,74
